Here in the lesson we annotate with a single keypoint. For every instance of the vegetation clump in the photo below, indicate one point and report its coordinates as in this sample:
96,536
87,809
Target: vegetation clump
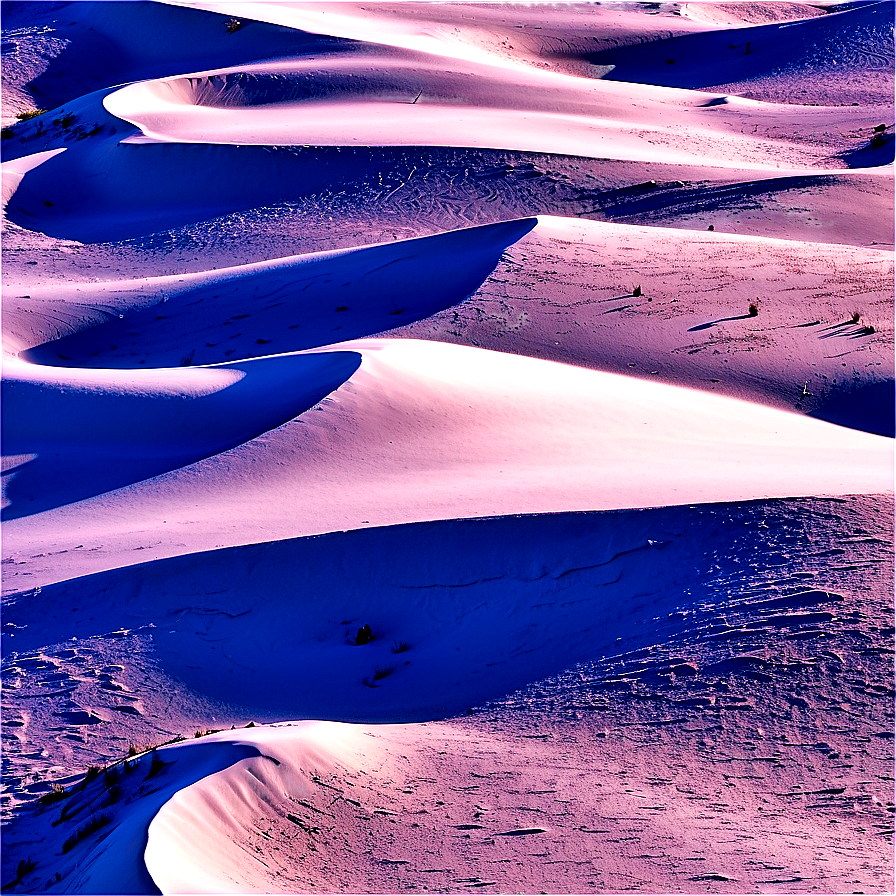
155,766
56,793
83,832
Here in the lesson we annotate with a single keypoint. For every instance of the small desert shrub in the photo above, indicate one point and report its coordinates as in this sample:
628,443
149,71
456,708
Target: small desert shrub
753,310
209,731
26,866
65,121
54,795
233,25
856,317
93,772
379,674
636,292
83,832
400,647
28,114
155,766
68,811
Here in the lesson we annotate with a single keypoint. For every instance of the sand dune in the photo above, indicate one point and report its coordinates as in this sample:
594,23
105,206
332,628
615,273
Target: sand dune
452,431
849,36
447,446
366,807
79,433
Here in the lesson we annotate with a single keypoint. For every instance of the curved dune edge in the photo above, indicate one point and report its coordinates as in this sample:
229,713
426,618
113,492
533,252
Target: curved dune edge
695,330
196,843
685,600
265,308
460,611
726,55
427,430
77,433
163,116
413,102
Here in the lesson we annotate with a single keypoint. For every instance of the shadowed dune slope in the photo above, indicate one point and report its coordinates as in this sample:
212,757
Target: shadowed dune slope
281,305
853,38
424,430
74,433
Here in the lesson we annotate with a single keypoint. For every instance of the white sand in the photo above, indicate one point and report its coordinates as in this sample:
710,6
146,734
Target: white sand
554,343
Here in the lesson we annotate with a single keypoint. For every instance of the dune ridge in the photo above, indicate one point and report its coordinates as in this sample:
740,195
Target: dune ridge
447,447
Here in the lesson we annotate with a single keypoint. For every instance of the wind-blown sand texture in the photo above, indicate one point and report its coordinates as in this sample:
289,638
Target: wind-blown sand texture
552,342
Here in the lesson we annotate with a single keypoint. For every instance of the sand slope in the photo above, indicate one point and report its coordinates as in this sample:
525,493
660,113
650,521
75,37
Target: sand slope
552,343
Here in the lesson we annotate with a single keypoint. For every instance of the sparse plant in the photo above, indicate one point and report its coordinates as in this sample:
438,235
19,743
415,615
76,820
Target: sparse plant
83,832
379,674
233,25
56,793
210,731
26,866
93,772
65,121
28,114
400,647
636,291
879,136
856,317
753,309
155,766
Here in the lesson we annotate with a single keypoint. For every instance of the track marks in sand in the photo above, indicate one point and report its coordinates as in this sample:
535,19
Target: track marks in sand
552,295
674,761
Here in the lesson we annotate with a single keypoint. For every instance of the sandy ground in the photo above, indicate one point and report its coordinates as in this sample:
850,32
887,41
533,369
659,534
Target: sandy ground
553,343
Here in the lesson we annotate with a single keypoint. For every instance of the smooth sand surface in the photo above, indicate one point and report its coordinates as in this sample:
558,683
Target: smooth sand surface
447,447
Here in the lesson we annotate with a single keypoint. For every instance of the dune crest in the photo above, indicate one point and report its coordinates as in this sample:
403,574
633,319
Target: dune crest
447,446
